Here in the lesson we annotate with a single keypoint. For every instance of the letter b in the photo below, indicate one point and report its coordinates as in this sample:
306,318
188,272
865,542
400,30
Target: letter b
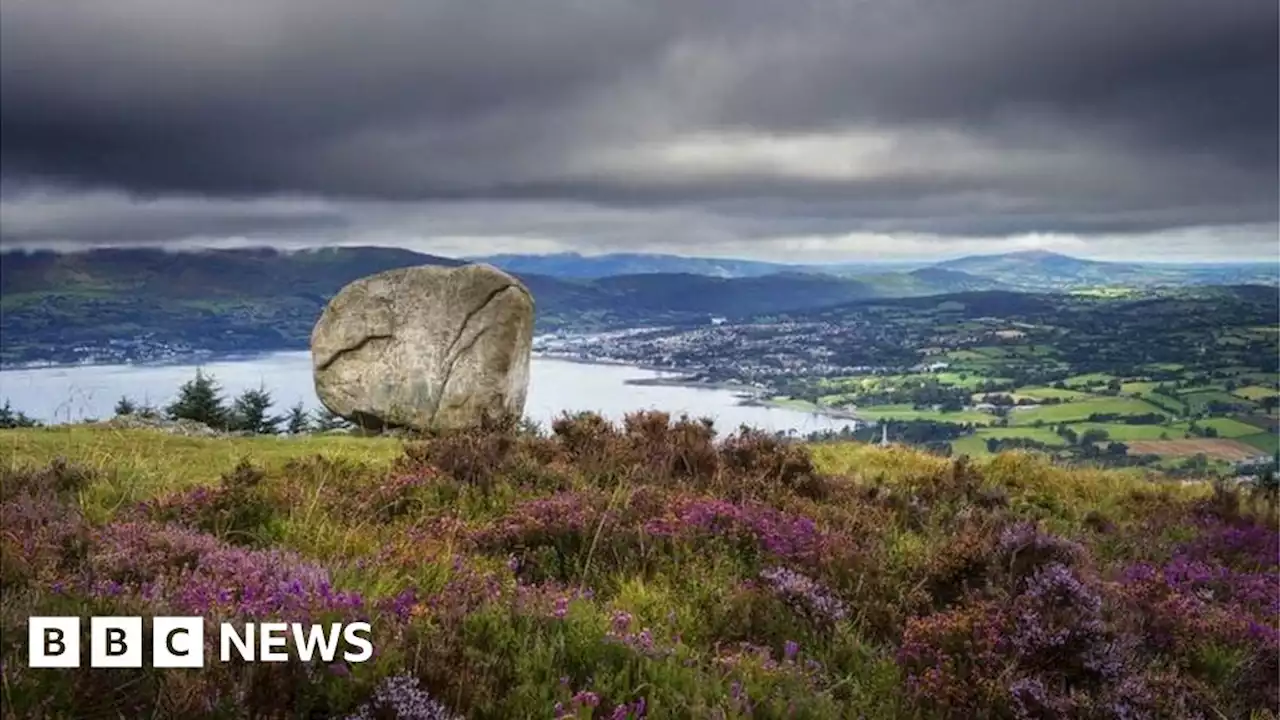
115,642
53,642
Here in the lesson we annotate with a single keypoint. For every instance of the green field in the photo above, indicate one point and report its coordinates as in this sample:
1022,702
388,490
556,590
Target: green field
1226,427
964,380
1041,392
964,355
1268,442
1081,410
1088,379
1199,401
1229,428
976,444
1165,402
906,412
1255,392
845,389
1138,387
1122,432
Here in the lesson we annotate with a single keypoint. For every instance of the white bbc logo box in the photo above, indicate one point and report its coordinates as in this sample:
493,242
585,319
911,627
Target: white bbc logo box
116,642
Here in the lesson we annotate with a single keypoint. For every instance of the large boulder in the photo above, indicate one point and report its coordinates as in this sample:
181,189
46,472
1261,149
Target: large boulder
425,347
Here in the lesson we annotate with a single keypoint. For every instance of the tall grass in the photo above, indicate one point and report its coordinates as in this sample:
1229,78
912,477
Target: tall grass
651,569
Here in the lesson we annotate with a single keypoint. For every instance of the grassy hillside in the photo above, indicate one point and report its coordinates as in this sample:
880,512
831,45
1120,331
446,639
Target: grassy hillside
647,572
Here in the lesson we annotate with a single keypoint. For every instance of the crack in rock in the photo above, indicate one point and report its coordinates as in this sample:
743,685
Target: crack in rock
348,350
454,353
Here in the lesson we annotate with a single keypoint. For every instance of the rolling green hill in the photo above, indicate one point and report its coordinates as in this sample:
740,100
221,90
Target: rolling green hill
262,299
1039,270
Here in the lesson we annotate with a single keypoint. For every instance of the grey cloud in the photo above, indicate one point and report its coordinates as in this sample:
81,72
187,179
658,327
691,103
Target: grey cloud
308,118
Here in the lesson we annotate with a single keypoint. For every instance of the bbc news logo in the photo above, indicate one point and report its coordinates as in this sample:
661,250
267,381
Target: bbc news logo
178,642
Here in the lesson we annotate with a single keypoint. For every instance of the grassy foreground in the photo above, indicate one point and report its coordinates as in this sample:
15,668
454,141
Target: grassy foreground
644,571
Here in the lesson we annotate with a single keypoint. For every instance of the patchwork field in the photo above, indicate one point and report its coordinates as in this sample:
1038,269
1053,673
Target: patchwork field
906,412
1088,379
1255,392
1232,450
1199,401
1081,410
1049,393
976,444
1268,442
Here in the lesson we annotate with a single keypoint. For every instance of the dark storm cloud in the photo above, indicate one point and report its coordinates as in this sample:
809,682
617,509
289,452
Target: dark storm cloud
950,117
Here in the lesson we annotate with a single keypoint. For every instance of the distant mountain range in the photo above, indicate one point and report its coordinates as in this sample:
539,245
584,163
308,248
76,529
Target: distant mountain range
1036,270
263,299
575,265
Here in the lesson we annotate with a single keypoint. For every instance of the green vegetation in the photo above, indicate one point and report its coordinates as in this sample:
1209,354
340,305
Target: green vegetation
643,571
1027,365
1267,442
1256,392
1082,410
906,412
1047,393
976,444
145,304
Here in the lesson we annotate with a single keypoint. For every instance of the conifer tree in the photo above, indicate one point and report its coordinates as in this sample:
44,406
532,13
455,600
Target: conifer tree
298,420
125,406
200,399
10,418
249,413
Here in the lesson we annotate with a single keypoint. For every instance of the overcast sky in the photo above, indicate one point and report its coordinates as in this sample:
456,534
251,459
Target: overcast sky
806,130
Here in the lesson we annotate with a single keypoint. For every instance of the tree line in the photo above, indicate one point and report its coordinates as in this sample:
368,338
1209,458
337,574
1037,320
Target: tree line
201,400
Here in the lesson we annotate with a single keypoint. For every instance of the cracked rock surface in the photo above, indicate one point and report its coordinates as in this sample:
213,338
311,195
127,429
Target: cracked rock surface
425,347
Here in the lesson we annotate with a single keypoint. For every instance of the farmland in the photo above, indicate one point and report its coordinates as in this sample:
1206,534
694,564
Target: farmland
1231,450
1080,410
1068,382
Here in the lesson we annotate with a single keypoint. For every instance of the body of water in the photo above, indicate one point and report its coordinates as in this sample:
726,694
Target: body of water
75,393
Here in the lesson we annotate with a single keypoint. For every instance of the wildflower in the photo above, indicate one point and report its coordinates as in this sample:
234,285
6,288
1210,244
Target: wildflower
802,590
620,622
789,650
400,697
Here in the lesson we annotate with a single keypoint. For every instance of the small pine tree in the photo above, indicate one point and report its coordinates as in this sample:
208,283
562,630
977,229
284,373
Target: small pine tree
326,420
298,421
200,399
249,413
125,406
10,418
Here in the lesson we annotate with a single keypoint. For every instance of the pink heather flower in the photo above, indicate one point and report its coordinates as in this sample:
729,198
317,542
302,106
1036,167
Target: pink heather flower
400,697
621,622
800,589
789,650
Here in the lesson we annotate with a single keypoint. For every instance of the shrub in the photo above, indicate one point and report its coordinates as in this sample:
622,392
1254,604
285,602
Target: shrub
239,510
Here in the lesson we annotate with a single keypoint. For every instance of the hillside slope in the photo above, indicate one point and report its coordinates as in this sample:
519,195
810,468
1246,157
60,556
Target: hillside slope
257,299
652,572
1040,271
